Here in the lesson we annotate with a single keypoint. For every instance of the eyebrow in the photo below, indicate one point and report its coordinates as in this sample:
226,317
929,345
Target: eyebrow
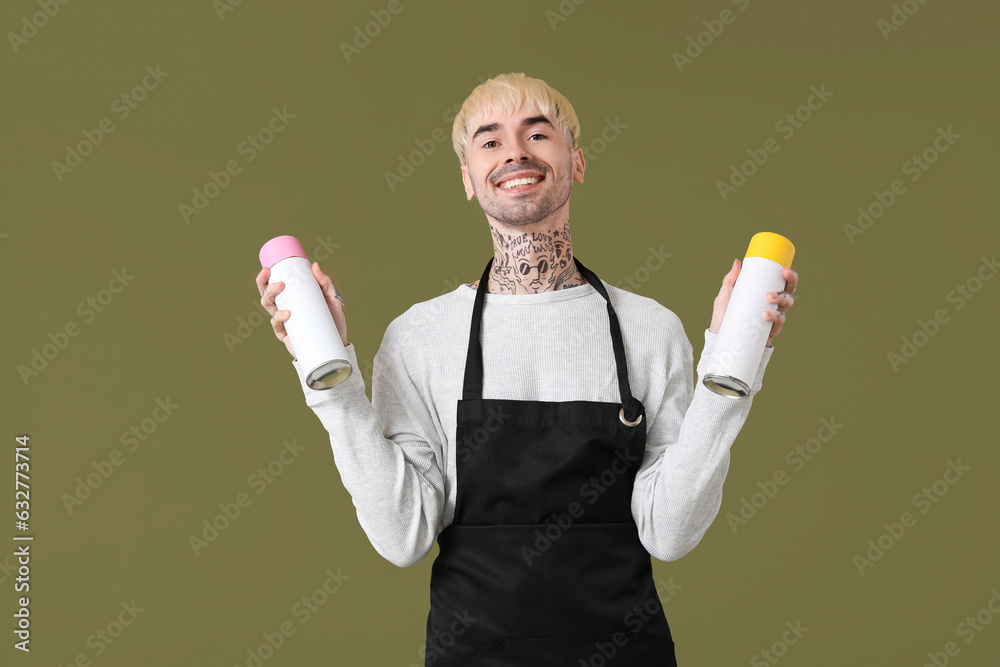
527,122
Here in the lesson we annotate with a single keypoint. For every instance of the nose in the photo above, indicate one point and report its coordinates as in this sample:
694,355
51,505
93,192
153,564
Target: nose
518,150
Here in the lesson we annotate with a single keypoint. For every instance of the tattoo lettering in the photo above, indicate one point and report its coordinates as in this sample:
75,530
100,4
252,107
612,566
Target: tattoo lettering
533,262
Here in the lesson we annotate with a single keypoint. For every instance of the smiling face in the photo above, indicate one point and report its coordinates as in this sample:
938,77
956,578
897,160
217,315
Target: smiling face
529,152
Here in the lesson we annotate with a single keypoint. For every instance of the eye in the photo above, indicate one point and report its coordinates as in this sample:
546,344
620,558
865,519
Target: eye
493,141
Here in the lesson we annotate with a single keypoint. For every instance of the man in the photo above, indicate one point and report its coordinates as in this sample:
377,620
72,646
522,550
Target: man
540,424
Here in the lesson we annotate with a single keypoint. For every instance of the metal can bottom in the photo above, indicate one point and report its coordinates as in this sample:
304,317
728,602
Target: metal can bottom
726,385
328,374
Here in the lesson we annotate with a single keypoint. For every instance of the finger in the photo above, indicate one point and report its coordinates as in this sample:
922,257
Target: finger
734,272
782,298
777,318
262,277
271,291
278,323
729,280
333,297
791,280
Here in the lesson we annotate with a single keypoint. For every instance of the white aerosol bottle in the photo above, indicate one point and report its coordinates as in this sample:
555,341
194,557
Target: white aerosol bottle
315,337
742,335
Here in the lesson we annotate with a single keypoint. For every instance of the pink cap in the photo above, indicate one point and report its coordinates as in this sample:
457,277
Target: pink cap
279,248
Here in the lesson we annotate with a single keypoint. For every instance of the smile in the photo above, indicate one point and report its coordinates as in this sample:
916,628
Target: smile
520,184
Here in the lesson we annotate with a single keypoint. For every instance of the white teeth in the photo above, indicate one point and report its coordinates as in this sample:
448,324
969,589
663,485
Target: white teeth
515,182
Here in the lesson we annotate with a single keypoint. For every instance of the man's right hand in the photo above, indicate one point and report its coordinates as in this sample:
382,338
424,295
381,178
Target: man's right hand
278,317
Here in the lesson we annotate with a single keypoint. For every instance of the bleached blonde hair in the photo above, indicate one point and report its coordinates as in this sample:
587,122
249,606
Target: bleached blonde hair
504,94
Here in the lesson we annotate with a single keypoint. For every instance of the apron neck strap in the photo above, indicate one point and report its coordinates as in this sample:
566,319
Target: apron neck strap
473,388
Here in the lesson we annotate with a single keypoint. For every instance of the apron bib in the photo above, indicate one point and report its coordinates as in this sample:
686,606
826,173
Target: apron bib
542,565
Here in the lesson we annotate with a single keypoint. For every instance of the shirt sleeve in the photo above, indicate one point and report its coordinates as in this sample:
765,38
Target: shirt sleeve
386,452
678,488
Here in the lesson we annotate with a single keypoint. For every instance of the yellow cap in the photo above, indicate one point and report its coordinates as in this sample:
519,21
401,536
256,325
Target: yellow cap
771,246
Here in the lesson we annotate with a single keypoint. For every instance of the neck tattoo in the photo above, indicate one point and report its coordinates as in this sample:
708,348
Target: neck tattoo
532,262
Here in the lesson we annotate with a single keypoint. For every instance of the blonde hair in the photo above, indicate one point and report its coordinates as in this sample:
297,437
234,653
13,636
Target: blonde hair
505,94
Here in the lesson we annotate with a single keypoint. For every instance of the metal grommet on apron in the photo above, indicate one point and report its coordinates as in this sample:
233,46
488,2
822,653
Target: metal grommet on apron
542,565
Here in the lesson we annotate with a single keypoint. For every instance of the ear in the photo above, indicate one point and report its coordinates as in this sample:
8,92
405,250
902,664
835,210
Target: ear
579,164
467,182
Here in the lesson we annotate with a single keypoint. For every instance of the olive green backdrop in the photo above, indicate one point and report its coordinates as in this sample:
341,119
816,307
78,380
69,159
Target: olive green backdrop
157,305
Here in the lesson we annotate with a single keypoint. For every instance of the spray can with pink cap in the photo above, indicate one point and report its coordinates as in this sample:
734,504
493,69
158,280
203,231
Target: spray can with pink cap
315,337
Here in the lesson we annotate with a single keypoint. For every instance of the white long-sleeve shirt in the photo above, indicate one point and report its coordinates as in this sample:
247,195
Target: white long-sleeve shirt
397,454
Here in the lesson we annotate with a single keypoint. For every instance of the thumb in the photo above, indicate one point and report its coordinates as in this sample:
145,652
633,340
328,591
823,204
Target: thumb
730,278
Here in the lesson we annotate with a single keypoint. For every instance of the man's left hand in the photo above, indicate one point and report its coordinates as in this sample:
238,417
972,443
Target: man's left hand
783,298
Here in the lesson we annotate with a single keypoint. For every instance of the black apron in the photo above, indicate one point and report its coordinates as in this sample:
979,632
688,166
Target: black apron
542,565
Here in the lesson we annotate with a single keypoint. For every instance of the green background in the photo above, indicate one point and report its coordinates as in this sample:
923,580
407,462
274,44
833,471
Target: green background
323,178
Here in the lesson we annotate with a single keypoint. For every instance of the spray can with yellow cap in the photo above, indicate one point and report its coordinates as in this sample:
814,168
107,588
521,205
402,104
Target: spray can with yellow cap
742,335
